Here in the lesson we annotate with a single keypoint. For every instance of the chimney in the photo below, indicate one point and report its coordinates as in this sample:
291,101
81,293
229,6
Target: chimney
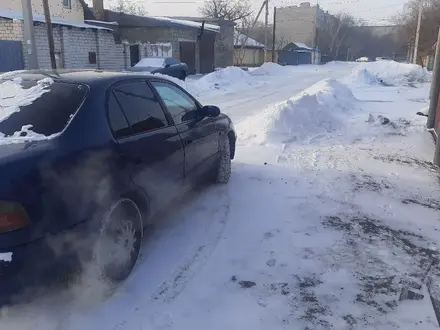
98,9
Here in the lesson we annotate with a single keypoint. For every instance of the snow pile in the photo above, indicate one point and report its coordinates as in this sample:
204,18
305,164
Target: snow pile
224,79
316,111
13,95
6,256
388,73
270,68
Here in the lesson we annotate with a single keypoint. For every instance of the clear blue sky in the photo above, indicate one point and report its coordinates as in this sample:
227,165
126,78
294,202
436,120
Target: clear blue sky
377,12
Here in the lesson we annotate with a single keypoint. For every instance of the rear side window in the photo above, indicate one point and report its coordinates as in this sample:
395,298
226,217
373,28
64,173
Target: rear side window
46,114
118,122
141,107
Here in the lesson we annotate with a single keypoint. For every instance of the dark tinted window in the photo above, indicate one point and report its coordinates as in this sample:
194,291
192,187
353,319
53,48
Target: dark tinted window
49,113
140,106
118,122
180,105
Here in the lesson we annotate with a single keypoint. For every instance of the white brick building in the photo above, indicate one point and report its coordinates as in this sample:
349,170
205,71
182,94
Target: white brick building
77,45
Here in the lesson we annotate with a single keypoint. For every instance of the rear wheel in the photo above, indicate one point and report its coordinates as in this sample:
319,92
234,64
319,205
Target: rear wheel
224,166
183,76
119,244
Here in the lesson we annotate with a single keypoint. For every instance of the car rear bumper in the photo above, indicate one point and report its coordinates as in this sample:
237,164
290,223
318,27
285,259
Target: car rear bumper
40,263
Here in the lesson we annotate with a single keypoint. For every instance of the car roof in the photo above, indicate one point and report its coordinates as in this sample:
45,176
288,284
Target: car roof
87,77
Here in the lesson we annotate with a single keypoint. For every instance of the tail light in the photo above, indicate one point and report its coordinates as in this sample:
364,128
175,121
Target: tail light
13,216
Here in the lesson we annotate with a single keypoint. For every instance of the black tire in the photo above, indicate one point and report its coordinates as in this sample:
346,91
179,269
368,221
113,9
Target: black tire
223,172
183,76
118,247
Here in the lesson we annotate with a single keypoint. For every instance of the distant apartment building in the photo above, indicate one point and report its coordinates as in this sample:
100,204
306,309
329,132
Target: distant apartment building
299,24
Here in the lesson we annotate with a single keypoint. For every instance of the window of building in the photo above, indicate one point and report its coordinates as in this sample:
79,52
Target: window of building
92,58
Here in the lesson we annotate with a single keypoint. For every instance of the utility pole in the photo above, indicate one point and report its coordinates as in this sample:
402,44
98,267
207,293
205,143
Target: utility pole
419,21
435,85
348,54
273,32
49,34
243,43
29,36
266,25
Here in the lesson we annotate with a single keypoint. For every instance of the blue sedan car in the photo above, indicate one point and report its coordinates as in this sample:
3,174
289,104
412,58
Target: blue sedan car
87,158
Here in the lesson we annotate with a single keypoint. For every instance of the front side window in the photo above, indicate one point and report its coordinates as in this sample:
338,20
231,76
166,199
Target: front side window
45,109
179,104
141,107
67,4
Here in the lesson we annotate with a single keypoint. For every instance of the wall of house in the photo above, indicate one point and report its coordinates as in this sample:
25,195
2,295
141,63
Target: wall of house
224,41
72,46
248,56
296,24
159,35
173,36
10,29
75,13
224,44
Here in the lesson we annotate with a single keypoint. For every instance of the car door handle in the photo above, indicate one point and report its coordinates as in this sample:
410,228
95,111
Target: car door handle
186,142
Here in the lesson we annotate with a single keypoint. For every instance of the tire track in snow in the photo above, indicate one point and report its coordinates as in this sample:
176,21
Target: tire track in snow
171,288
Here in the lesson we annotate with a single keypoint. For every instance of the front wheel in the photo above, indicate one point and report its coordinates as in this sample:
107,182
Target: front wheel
224,165
183,76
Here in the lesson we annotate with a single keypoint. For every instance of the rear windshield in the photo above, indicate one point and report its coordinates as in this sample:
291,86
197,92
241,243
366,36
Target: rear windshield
37,108
154,62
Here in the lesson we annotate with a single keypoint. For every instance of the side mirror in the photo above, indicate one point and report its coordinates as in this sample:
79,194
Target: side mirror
210,111
167,66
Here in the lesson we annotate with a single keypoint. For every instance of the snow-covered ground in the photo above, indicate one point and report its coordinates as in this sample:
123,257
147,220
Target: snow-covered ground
331,209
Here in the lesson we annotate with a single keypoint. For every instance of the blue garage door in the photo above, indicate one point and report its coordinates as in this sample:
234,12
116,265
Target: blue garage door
294,57
11,55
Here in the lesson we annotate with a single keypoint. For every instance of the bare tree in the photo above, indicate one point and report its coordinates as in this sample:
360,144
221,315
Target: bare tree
128,7
429,27
241,37
233,10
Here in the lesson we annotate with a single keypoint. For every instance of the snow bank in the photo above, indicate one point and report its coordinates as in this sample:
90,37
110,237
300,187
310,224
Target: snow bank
270,68
318,110
389,73
224,79
13,95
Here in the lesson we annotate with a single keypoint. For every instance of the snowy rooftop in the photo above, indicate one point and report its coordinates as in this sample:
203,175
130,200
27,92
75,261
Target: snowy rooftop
211,27
100,22
12,14
240,39
302,45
